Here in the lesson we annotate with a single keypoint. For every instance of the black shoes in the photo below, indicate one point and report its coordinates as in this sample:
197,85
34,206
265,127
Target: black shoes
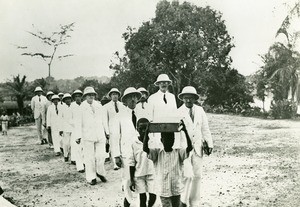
57,154
93,182
73,162
81,171
102,178
66,159
44,141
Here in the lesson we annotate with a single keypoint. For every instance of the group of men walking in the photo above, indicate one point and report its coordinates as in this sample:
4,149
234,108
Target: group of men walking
83,129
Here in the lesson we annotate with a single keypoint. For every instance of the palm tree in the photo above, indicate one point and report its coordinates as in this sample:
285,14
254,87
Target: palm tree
18,88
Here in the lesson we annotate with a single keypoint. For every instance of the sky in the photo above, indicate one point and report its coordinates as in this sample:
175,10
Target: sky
99,25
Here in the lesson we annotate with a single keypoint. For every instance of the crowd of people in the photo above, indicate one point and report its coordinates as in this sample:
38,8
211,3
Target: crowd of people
167,164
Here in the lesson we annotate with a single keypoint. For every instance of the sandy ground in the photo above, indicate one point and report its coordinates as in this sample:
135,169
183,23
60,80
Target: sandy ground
255,163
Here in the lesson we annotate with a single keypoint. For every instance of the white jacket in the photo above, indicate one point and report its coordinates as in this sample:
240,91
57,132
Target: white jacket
128,132
67,118
38,106
90,125
54,120
113,118
144,112
199,129
158,108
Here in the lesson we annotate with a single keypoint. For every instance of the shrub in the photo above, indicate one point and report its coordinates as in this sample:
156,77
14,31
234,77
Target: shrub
283,109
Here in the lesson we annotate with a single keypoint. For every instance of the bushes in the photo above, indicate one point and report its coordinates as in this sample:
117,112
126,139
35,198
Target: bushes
283,109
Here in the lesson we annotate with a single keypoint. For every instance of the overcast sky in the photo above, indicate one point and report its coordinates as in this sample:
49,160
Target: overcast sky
100,24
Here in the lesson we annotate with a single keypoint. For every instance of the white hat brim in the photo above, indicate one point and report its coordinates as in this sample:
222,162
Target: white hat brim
181,94
138,93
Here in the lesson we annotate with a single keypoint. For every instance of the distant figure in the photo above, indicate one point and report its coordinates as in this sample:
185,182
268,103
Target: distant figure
54,123
143,107
46,132
61,95
112,114
4,122
38,108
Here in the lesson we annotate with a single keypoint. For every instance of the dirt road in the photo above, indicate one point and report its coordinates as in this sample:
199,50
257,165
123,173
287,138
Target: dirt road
255,163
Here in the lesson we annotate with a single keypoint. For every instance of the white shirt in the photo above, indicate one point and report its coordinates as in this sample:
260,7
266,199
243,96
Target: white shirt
199,129
128,132
91,124
158,108
54,120
112,117
144,110
38,106
75,109
67,118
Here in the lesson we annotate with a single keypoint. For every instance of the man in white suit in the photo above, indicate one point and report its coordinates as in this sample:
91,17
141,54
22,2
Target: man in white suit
113,110
196,123
48,103
143,107
162,103
54,123
92,132
128,120
67,126
38,103
76,149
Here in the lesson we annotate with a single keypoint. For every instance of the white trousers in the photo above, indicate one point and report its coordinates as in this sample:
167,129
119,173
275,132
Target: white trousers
39,127
94,158
66,143
191,192
114,146
126,181
73,148
56,139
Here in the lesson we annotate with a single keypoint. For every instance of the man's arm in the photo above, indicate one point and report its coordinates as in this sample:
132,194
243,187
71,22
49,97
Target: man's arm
146,140
188,139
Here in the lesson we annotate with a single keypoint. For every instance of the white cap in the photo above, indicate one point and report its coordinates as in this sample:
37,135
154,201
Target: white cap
66,95
114,90
161,78
131,90
37,89
77,92
55,97
89,90
141,89
49,93
188,90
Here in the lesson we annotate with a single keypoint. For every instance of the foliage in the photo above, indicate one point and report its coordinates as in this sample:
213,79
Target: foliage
283,109
190,44
280,70
54,41
18,88
100,88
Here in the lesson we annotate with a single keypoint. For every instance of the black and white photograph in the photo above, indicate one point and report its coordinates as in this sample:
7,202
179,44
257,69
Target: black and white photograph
150,103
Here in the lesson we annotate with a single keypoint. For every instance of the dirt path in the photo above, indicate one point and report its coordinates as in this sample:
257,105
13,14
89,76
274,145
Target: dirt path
255,163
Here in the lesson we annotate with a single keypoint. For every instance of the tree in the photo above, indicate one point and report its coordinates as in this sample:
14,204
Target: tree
18,88
189,43
54,41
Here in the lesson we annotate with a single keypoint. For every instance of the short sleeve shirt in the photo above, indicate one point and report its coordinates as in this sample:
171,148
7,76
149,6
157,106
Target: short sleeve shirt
168,167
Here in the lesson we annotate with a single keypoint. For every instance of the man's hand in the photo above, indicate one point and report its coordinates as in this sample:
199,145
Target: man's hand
132,185
118,161
78,140
61,133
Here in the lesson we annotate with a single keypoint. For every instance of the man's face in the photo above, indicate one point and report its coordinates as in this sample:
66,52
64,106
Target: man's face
55,101
114,96
90,98
189,100
141,128
49,97
68,101
131,100
163,86
61,96
39,93
77,98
